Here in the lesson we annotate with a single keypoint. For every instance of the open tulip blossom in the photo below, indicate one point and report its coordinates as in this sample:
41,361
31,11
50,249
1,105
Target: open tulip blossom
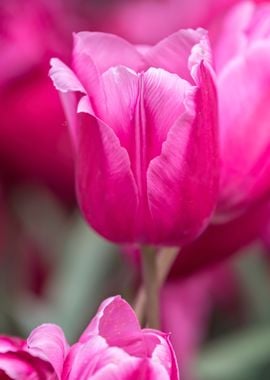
113,347
144,126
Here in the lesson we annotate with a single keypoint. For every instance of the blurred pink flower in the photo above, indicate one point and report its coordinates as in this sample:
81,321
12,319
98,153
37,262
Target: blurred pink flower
146,118
221,241
242,57
34,143
187,305
185,308
113,346
148,21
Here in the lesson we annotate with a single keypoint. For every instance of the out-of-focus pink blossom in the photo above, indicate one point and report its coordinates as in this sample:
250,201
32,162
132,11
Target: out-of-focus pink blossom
186,306
146,118
34,143
113,346
221,241
242,57
148,21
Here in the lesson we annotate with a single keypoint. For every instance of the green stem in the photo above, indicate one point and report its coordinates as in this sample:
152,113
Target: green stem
164,261
150,279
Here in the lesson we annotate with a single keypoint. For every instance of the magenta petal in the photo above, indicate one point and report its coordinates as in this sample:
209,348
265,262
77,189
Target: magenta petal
107,50
95,360
70,103
172,53
190,157
8,343
83,360
121,87
107,188
244,102
130,370
120,327
48,343
63,77
21,365
162,351
163,97
118,324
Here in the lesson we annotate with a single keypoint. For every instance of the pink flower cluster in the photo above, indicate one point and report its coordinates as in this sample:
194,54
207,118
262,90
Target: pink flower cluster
112,347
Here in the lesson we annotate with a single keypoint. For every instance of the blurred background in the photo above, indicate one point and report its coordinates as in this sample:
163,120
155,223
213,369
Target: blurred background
216,301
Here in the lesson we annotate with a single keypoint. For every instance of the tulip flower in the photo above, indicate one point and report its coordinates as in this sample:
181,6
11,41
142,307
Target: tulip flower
213,246
242,57
113,346
144,125
34,144
147,21
16,363
188,306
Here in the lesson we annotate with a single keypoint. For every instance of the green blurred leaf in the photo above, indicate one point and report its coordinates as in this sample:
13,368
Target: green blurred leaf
85,267
239,356
254,280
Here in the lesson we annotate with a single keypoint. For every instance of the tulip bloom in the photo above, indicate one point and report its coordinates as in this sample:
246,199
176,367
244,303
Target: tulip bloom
113,346
144,125
17,363
148,21
242,58
214,247
34,144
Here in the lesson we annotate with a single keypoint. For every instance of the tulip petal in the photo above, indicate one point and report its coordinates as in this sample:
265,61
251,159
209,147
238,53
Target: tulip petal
21,365
89,76
63,77
84,359
67,83
109,363
117,323
107,50
172,53
48,343
163,352
163,101
121,87
108,187
8,343
244,102
120,327
182,197
234,37
133,370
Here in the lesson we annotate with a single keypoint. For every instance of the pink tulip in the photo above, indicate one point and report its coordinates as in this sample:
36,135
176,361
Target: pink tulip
16,363
242,57
185,309
34,143
144,127
214,246
187,306
113,347
147,21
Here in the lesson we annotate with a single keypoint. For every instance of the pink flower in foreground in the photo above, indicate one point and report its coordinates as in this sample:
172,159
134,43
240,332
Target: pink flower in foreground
242,58
144,126
17,363
113,347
